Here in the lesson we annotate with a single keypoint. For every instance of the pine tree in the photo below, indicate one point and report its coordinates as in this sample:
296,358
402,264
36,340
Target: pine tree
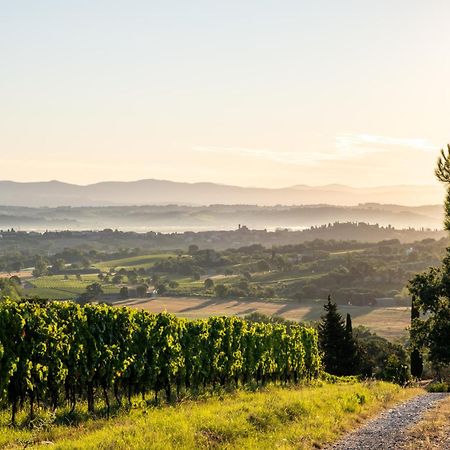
340,352
442,173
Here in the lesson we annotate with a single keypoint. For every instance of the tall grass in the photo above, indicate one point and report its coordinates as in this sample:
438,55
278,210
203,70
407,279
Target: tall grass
298,417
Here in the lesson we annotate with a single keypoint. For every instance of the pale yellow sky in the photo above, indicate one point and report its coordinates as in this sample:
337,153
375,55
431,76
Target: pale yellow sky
261,93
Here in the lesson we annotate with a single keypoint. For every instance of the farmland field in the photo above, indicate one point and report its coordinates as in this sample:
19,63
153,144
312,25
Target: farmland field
388,322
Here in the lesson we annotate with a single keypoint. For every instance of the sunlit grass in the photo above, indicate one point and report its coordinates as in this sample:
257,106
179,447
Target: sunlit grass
297,417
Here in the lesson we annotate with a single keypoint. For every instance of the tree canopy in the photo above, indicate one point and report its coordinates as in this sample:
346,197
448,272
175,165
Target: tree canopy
430,328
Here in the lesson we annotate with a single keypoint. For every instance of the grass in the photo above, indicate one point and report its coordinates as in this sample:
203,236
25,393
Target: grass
137,262
432,431
297,417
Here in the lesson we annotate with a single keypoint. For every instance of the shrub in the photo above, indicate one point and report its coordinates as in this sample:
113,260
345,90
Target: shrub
439,387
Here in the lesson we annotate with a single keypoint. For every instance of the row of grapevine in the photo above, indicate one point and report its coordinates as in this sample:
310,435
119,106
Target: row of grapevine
62,352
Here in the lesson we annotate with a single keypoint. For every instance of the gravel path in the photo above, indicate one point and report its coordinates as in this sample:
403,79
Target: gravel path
386,432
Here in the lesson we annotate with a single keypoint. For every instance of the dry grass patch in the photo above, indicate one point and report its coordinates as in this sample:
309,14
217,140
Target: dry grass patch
433,431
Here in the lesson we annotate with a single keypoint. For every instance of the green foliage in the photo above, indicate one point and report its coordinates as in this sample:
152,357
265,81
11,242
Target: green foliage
443,174
431,295
375,353
396,371
48,350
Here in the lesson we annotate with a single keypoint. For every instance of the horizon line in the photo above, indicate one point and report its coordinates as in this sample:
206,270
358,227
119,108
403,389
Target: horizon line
377,186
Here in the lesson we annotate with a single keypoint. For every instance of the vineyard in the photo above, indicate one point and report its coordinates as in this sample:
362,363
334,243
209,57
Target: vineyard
61,353
136,262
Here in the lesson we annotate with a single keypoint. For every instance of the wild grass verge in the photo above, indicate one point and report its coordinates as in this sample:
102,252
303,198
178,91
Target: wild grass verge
301,417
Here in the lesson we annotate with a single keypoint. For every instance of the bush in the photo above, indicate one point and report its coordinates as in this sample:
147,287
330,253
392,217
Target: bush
221,290
438,387
141,290
396,371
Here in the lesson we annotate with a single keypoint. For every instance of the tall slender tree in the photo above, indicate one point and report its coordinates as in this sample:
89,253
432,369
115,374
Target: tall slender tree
351,350
415,356
349,326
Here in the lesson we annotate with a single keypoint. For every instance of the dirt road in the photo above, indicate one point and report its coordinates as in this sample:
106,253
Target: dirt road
389,430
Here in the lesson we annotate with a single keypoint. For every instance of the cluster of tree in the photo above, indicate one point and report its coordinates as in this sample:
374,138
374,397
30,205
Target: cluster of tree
243,288
179,266
346,352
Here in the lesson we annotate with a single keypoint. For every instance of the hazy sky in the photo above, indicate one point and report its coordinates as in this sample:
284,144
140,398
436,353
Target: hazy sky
265,93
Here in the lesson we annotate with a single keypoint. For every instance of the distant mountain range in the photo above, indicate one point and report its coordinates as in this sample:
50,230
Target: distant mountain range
161,192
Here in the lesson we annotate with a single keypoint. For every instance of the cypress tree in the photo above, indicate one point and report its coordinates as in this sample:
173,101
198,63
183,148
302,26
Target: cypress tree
416,357
349,326
351,352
